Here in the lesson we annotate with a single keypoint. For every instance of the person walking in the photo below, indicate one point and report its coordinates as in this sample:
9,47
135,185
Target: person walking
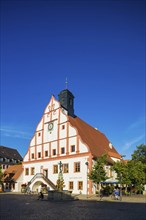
116,193
40,194
101,193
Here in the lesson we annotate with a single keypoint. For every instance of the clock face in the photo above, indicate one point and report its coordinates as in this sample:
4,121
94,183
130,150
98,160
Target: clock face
50,126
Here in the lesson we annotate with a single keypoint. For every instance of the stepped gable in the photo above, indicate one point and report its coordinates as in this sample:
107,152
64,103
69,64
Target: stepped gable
96,141
13,172
6,152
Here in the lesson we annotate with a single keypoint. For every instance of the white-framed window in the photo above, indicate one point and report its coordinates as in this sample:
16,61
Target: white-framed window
65,168
77,167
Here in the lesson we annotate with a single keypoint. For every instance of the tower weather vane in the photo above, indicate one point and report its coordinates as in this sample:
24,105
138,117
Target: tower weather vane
66,83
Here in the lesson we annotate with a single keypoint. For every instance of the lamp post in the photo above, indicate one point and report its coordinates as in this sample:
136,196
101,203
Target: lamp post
87,177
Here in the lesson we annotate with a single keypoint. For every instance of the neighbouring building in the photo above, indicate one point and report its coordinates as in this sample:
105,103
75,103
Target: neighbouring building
13,178
63,138
8,157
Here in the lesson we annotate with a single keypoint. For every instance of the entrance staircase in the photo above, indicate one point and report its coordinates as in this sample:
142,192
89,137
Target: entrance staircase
41,175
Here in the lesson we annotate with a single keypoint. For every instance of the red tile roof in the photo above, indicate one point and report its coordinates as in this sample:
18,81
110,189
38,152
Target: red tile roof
96,141
16,170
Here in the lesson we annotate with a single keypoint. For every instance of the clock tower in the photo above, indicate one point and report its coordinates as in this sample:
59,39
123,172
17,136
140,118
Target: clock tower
66,100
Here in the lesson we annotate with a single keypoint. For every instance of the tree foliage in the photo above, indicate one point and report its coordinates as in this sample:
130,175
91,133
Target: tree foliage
136,173
140,154
98,173
122,172
131,173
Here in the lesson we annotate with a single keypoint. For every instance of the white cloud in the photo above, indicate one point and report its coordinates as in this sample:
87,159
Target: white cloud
132,142
138,123
14,133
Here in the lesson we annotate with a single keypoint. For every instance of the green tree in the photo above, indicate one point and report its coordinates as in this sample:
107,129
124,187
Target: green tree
98,172
131,173
136,171
140,154
122,172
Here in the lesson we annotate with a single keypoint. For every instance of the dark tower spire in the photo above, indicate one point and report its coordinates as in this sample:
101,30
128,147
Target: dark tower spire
66,100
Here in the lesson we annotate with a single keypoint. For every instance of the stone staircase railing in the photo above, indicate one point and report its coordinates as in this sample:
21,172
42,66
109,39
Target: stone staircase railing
41,175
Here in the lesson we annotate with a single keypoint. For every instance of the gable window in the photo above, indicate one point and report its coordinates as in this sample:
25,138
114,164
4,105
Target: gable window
54,151
77,167
26,171
72,148
32,156
65,168
46,153
62,150
39,154
32,170
55,168
80,185
39,134
71,185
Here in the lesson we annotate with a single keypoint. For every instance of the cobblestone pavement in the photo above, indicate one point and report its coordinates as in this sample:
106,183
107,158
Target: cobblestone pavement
27,207
131,199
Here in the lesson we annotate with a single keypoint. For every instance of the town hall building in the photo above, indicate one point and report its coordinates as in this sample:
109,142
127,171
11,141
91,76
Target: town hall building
61,137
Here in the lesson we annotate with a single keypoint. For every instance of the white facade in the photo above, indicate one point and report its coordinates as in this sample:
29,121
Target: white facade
18,184
55,140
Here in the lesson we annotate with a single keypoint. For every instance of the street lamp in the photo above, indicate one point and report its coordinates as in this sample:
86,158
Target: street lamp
87,177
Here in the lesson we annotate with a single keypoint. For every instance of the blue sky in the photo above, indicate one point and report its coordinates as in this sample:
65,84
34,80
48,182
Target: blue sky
98,45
